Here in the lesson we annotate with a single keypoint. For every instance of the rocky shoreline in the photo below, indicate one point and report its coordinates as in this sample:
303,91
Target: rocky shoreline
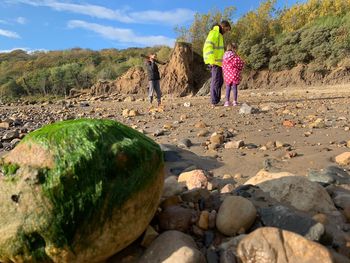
266,181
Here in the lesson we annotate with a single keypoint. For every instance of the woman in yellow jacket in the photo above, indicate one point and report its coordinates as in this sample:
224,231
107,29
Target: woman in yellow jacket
213,51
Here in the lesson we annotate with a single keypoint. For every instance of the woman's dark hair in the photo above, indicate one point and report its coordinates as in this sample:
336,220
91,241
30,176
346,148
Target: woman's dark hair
225,23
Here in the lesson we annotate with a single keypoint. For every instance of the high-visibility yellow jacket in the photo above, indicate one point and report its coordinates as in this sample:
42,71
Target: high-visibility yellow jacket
213,49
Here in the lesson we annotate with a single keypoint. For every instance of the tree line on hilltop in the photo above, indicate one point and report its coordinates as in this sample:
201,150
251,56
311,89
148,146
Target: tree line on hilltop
47,73
316,33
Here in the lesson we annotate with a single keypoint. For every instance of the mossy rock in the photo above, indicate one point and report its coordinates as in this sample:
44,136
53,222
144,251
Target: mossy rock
77,191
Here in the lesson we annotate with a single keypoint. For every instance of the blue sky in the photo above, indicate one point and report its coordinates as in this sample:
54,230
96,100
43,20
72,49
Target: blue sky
63,24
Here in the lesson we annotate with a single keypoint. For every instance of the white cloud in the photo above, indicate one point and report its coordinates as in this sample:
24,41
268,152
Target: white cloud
28,50
9,34
122,35
171,17
21,20
13,49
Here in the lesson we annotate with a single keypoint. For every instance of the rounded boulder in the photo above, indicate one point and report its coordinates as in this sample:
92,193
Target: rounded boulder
77,191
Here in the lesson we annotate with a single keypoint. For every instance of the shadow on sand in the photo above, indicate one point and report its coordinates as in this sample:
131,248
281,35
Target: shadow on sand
178,160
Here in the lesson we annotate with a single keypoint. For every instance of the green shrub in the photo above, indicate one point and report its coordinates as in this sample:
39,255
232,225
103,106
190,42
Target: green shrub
259,56
11,89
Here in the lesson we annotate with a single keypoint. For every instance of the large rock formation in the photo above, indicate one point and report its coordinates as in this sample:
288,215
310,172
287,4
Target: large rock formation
182,75
297,191
177,75
77,191
132,82
268,244
101,87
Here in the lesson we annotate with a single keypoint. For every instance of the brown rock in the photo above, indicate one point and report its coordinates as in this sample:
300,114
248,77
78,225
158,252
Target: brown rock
173,247
235,213
288,123
234,144
270,145
213,146
343,159
167,126
129,99
217,139
194,179
125,113
203,221
183,117
170,201
133,113
228,188
202,133
177,218
268,244
264,175
200,125
318,123
4,125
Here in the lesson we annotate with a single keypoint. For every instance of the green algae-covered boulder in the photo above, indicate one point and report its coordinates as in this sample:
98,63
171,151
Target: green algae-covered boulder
77,191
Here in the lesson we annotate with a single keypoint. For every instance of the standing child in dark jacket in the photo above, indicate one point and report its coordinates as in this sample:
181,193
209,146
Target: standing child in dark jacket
232,66
153,78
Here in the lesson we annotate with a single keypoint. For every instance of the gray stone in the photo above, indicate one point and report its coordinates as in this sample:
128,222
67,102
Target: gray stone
297,191
172,187
251,146
234,144
208,238
227,256
212,256
289,219
11,135
158,133
340,196
84,104
245,109
185,143
330,175
205,90
14,142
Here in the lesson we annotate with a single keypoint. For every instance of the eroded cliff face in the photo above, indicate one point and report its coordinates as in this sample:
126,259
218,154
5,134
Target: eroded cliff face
298,76
182,75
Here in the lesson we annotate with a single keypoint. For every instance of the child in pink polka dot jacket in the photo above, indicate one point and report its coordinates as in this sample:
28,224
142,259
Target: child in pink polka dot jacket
232,66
